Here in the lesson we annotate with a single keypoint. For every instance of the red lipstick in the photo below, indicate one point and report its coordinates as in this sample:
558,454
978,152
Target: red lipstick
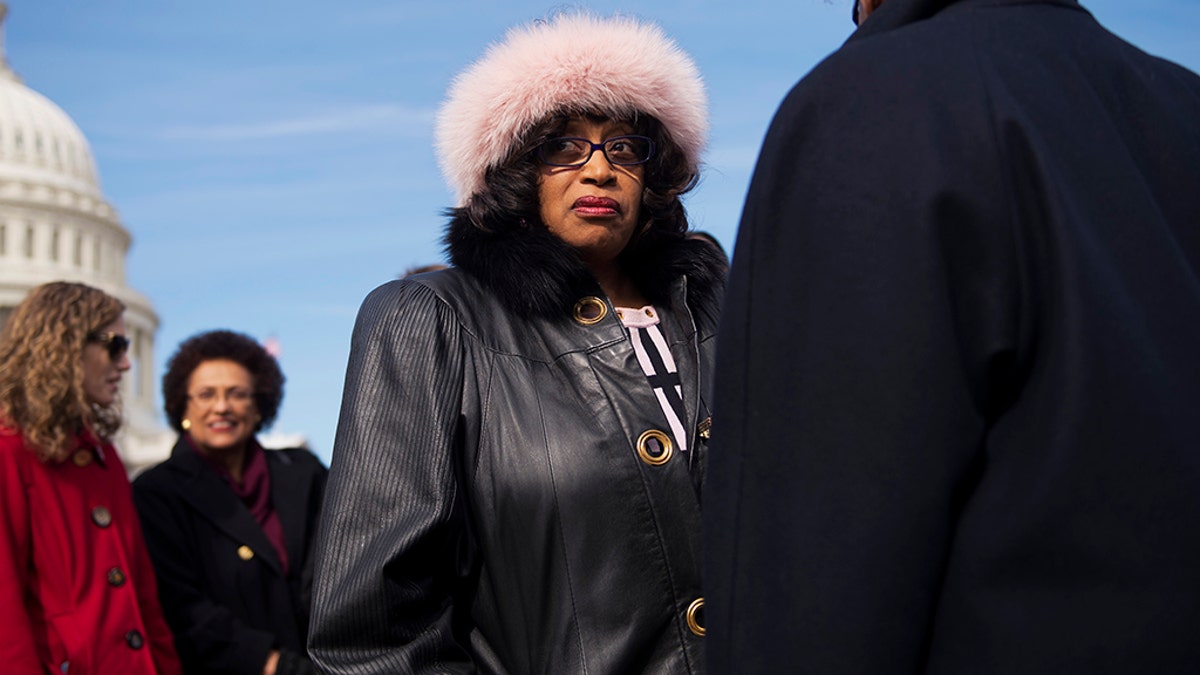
596,206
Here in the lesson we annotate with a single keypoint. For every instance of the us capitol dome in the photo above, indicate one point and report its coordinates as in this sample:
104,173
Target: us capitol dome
55,224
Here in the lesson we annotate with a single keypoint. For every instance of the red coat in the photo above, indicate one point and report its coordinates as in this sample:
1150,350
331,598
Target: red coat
77,590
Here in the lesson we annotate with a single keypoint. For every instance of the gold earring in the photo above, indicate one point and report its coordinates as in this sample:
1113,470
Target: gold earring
185,424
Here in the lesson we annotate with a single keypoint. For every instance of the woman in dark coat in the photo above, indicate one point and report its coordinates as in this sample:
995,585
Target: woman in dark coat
517,468
229,524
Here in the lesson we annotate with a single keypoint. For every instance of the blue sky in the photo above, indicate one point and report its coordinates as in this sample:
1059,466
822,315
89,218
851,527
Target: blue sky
273,158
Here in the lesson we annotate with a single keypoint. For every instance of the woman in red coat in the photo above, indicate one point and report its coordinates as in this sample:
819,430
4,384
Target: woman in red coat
77,591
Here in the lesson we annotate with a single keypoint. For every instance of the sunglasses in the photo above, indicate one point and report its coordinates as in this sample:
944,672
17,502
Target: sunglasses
116,343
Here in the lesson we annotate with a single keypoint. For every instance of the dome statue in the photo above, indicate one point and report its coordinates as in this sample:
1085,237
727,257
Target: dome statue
56,225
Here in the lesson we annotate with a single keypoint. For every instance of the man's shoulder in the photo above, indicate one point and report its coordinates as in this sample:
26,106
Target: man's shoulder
903,61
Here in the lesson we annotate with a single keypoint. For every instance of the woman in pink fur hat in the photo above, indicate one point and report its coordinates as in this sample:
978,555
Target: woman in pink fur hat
516,479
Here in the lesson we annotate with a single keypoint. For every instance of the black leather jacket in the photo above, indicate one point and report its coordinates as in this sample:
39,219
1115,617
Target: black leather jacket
488,509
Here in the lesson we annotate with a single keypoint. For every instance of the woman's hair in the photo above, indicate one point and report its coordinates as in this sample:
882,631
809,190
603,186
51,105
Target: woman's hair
41,367
222,345
511,200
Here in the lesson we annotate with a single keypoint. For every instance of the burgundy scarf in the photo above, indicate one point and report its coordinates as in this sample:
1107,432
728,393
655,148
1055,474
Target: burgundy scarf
255,493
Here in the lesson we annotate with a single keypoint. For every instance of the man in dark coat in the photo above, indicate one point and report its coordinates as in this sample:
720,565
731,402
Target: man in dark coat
956,426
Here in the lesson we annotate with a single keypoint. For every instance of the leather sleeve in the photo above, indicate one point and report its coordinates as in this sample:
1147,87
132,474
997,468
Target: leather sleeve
385,570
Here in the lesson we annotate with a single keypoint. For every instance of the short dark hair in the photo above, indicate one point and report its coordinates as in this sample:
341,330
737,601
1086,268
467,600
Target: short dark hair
222,345
510,199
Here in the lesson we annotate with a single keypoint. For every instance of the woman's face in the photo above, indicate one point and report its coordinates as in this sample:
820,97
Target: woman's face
221,406
102,373
593,207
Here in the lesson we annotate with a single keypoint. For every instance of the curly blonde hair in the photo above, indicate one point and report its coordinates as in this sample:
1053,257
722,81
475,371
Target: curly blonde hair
41,367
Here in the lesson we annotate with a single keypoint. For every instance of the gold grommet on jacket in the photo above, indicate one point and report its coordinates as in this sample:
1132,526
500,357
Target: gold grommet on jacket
590,311
655,455
693,617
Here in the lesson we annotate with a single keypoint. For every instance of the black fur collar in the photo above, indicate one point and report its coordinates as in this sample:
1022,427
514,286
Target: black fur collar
534,273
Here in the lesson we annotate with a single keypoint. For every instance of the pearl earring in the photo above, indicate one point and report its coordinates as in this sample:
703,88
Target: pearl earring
186,424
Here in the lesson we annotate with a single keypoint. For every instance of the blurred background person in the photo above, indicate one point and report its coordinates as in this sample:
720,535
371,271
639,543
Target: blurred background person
230,525
77,590
515,481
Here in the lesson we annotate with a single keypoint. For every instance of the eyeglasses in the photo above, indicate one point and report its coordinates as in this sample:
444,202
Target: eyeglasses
116,343
209,397
619,150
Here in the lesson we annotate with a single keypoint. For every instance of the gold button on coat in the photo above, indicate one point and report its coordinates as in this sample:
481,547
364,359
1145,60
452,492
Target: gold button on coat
115,577
655,447
101,516
245,552
82,458
694,617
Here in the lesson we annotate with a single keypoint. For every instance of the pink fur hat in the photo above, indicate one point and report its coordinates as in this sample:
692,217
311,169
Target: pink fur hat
576,63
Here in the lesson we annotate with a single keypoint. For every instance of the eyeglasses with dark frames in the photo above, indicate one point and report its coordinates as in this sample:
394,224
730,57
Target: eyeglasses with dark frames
115,343
619,150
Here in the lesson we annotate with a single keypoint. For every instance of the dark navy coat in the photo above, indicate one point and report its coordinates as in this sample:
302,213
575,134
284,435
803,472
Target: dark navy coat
955,421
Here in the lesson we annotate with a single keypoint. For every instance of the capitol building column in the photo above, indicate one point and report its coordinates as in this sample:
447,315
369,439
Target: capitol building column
55,224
